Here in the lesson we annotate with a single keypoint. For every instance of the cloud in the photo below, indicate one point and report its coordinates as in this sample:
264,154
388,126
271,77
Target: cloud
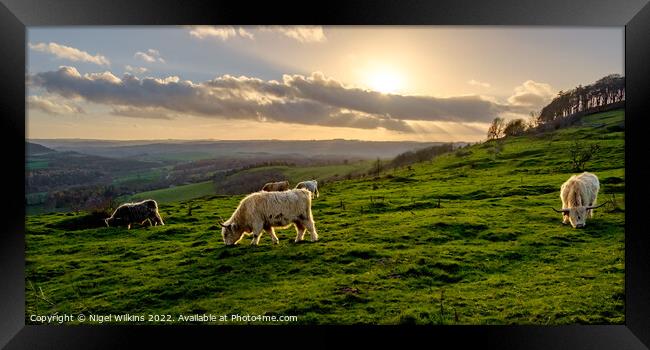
220,32
403,107
151,56
478,83
138,70
69,53
532,94
146,112
53,106
313,100
317,87
303,34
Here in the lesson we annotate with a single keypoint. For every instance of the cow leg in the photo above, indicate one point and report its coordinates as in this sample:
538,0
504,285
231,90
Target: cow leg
317,193
257,234
156,219
271,232
159,219
312,230
300,229
565,219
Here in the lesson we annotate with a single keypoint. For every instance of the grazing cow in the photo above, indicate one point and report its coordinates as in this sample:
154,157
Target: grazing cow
131,213
311,185
265,210
276,186
578,195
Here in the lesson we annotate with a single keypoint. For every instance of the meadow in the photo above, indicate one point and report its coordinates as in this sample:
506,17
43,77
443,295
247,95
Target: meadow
294,175
176,193
467,238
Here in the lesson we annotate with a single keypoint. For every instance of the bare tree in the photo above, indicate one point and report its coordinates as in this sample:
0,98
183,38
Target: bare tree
495,131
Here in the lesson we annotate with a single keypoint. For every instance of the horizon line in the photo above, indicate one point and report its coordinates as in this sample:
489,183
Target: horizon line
237,140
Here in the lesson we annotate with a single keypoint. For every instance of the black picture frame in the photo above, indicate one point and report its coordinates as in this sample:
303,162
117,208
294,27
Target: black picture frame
15,15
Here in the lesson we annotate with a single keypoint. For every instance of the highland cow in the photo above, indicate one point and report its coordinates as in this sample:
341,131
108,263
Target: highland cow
311,185
578,195
276,186
265,210
132,213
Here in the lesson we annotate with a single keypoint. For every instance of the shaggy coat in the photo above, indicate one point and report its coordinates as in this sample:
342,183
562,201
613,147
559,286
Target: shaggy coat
578,195
265,210
276,186
311,185
132,213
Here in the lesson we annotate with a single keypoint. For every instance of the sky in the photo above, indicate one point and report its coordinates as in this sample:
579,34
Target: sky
418,83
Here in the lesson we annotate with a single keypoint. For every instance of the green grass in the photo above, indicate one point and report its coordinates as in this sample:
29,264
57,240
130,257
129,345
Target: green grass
140,177
297,174
177,193
493,253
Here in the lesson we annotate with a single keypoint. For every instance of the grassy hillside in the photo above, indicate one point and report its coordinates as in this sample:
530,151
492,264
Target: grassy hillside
297,174
202,189
492,253
177,193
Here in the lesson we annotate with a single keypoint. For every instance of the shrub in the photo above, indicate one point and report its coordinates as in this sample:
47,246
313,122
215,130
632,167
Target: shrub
515,127
580,155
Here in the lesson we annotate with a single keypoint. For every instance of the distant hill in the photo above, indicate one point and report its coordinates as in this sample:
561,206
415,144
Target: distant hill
35,149
195,150
48,170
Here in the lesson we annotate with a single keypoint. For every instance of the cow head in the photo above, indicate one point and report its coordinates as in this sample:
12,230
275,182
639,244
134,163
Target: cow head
115,221
578,215
231,232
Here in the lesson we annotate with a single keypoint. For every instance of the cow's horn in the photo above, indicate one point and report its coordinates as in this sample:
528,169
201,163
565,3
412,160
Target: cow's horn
560,211
597,206
221,221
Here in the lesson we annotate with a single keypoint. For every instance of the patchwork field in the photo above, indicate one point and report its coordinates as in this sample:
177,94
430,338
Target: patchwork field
468,238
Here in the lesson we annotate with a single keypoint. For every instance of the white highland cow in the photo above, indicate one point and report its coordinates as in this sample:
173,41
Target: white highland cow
265,210
578,195
311,185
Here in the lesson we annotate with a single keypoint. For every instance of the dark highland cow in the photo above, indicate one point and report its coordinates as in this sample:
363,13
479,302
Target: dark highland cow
135,213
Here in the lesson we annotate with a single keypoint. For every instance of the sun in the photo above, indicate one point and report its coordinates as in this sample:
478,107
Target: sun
387,82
